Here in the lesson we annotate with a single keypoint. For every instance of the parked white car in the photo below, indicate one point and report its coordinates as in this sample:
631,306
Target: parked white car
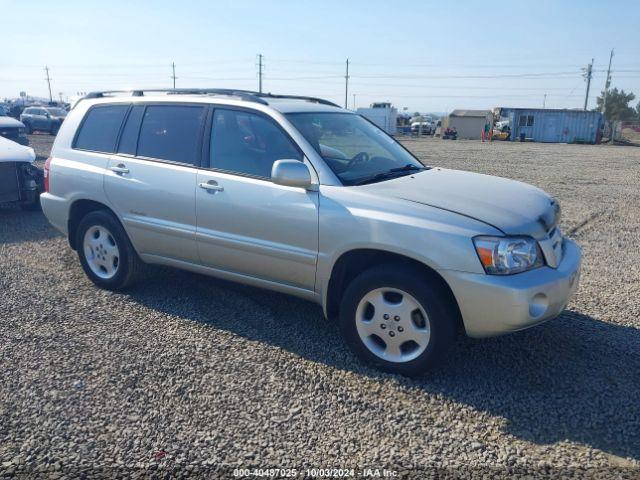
12,129
301,196
20,180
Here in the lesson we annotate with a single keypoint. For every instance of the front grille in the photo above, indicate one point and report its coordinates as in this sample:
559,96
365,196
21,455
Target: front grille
9,184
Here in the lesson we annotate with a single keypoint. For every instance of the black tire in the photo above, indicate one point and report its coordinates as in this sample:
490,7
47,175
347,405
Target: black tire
27,127
54,128
130,268
441,314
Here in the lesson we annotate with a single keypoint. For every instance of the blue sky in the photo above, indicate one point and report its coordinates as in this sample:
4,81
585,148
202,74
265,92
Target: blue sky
425,56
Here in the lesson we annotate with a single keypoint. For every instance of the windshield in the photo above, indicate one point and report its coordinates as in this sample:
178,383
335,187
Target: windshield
57,112
357,151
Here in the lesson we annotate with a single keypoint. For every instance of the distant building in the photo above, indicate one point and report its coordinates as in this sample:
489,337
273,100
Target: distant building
469,123
384,115
553,125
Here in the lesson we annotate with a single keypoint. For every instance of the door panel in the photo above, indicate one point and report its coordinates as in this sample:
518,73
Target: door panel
156,201
254,227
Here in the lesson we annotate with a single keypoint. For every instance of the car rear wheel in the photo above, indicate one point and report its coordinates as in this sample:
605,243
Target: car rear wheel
54,128
105,252
393,317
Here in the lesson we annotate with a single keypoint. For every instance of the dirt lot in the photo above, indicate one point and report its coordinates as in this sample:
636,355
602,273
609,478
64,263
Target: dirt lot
186,372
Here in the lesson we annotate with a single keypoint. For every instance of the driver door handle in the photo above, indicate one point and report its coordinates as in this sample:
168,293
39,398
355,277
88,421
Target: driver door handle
211,186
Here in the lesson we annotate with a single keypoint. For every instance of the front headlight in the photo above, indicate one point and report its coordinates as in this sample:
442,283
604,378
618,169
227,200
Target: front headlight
507,255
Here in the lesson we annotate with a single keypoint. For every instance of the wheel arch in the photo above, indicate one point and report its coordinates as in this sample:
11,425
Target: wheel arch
77,211
351,263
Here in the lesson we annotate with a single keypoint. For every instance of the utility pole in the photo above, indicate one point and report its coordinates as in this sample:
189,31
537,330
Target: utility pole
260,72
587,75
607,84
354,102
173,74
544,101
46,69
346,86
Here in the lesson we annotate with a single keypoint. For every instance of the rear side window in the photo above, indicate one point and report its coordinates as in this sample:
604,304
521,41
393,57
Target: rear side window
99,130
171,132
129,137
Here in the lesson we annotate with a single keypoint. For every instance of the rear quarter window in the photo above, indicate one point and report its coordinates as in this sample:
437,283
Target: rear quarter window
99,130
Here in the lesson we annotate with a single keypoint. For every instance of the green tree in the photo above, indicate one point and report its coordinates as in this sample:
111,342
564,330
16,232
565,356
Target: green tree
617,107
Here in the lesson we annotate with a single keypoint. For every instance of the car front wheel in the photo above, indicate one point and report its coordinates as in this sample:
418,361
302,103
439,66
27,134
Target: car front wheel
105,252
398,319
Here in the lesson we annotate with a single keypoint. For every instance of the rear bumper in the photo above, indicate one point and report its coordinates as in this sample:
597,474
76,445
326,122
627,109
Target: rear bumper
492,305
56,209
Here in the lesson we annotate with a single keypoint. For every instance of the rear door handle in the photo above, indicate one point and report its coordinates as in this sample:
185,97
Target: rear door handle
211,186
119,169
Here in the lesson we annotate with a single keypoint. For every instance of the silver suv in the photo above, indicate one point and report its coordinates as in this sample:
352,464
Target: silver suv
43,119
298,195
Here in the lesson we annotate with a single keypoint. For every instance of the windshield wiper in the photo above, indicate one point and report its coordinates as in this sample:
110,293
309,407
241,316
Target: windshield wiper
407,168
391,173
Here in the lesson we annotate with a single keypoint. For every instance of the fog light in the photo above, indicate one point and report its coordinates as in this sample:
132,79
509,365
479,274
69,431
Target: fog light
538,305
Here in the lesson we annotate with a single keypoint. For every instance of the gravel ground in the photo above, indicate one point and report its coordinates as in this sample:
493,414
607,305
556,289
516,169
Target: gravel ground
186,373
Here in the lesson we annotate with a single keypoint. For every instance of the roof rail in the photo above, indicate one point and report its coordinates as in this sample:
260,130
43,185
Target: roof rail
299,97
242,94
246,95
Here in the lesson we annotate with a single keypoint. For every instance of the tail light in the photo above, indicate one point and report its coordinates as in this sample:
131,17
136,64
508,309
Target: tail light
47,165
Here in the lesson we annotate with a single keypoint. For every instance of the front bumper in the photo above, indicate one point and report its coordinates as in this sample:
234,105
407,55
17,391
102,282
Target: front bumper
492,305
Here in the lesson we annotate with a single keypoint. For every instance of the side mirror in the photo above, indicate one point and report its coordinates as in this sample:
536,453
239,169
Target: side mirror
291,173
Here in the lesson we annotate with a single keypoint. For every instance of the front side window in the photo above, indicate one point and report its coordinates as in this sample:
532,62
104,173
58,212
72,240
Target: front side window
247,143
170,132
99,130
357,151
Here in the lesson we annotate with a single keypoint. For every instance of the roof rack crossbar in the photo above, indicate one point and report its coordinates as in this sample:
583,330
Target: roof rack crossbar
246,95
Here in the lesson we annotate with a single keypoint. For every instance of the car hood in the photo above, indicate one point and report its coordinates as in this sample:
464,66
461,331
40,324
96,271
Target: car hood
10,122
513,207
14,152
